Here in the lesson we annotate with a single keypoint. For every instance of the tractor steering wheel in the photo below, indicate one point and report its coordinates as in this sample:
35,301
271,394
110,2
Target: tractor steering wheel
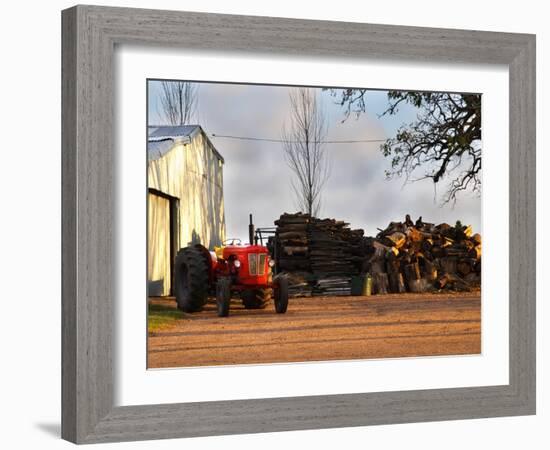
233,241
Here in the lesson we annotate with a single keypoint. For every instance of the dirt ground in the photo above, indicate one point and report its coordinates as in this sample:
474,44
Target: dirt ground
316,329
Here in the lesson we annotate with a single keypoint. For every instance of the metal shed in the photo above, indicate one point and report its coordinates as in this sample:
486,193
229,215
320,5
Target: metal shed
184,200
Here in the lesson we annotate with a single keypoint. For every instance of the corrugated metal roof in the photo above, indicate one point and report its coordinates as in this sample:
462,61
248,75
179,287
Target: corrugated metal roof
183,131
157,149
161,139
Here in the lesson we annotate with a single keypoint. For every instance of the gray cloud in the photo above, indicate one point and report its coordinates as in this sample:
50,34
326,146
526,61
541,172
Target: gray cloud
257,180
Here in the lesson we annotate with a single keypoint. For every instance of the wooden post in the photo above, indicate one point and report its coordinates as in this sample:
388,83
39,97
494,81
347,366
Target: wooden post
380,282
448,264
395,278
429,270
411,271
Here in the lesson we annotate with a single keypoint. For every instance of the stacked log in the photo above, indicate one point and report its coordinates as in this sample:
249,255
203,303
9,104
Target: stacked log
300,284
331,245
335,253
422,257
292,242
292,253
326,252
322,255
332,285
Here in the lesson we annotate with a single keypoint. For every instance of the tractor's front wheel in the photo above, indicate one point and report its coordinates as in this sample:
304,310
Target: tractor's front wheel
223,296
255,298
280,294
191,279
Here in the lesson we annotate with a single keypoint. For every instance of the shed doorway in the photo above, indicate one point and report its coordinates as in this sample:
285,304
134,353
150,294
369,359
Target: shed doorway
161,242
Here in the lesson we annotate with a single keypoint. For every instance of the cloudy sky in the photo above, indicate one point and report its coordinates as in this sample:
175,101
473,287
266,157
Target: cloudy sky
257,179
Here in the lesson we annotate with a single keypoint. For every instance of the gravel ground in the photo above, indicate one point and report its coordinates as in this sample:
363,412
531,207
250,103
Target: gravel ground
319,328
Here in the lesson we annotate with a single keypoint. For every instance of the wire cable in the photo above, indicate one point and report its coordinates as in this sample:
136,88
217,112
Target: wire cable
250,138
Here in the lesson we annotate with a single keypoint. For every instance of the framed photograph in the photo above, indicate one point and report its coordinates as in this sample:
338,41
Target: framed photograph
264,228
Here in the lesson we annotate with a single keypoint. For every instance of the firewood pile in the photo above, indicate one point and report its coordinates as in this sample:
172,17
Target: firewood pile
331,247
325,249
293,245
320,256
422,257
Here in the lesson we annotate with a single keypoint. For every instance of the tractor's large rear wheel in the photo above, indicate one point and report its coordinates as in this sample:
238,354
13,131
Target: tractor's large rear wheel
191,279
280,294
255,298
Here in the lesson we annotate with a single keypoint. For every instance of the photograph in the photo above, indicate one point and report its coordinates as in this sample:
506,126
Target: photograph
260,225
290,224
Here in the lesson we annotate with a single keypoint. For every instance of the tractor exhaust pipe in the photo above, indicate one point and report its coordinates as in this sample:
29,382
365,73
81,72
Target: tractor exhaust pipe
251,231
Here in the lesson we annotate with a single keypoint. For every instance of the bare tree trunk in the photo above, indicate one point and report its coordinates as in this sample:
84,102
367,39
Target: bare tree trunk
178,101
304,149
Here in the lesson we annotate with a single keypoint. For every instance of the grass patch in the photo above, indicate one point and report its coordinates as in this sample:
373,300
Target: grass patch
161,317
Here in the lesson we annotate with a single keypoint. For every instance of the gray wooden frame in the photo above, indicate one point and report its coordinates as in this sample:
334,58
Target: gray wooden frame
89,37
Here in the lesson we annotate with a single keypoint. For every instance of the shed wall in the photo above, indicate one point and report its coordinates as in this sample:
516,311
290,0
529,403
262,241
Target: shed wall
193,174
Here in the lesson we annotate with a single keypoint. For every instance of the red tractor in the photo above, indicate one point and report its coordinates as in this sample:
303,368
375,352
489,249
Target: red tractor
231,269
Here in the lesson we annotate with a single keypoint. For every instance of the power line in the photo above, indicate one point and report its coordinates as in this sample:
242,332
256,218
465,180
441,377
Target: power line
250,138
